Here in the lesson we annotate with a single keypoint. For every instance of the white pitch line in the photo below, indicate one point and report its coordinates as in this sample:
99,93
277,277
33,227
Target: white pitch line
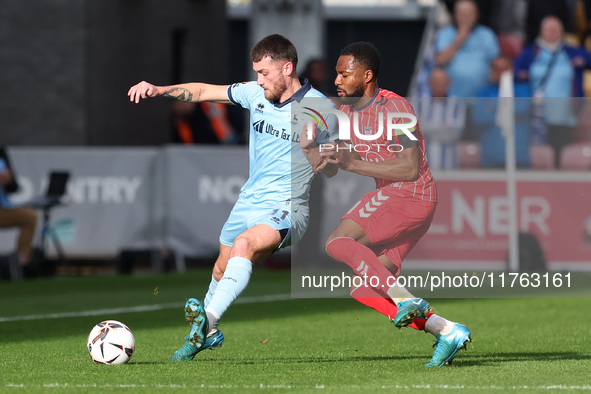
139,308
264,386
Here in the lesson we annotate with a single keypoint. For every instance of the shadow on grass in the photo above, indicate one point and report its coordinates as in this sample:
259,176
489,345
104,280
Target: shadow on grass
491,359
462,360
281,360
311,360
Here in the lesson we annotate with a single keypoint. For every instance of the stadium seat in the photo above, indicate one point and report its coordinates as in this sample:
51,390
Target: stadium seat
468,154
542,157
576,157
510,44
583,128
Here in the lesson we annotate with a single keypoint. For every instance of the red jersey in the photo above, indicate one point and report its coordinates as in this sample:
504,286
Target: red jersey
381,149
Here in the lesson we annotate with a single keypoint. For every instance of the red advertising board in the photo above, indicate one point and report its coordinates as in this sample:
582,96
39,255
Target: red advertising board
471,223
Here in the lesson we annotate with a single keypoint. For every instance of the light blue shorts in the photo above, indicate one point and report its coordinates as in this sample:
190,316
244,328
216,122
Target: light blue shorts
290,219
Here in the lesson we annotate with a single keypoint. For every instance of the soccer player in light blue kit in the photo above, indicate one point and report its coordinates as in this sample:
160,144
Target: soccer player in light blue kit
272,209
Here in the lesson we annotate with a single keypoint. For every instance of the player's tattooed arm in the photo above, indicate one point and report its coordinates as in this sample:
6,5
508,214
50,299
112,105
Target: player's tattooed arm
196,92
181,94
189,92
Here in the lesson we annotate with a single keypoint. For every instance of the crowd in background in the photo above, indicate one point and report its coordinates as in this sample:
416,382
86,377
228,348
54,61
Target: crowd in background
545,44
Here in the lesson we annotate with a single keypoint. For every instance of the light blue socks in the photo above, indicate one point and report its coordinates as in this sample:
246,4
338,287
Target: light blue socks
227,290
212,286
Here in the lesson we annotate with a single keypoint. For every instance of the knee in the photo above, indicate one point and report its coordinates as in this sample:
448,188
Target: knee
338,247
330,241
242,247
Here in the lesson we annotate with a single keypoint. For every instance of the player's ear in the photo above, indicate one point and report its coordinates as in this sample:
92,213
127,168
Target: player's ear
288,68
368,76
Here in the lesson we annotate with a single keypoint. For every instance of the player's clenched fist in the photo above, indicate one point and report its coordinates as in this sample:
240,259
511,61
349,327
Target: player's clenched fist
142,90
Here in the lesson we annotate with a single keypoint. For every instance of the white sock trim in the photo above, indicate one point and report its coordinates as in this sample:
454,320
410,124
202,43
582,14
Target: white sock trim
438,325
399,293
211,328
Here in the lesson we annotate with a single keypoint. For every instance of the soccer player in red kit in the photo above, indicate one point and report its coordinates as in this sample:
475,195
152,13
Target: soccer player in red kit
377,233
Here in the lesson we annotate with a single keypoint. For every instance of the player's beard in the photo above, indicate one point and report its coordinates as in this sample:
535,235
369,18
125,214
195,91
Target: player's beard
278,89
351,98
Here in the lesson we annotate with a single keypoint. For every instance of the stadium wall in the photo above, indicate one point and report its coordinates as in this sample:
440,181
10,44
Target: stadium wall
66,66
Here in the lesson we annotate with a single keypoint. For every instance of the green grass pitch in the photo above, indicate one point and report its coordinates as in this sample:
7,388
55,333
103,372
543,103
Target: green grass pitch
300,345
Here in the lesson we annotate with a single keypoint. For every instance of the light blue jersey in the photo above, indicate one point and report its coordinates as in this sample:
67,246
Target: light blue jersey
274,152
279,173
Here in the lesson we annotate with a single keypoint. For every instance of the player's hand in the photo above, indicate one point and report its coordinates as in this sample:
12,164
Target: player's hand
308,144
342,157
317,162
142,90
325,153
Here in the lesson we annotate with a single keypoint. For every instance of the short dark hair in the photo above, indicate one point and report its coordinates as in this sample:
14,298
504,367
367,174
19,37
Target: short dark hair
276,47
366,54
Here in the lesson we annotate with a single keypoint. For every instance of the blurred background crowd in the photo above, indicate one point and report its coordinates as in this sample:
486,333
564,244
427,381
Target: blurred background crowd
545,44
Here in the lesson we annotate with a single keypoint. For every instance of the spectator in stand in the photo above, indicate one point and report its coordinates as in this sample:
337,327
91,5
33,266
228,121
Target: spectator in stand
555,72
537,10
442,119
492,142
487,9
465,49
11,216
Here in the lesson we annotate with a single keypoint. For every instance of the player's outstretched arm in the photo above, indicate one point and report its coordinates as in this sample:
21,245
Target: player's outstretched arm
194,92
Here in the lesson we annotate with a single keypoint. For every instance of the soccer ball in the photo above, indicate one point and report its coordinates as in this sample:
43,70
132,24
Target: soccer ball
110,342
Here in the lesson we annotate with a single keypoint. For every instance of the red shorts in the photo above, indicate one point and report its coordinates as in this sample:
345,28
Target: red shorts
393,222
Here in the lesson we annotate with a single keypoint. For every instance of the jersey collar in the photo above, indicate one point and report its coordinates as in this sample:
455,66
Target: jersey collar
370,102
297,96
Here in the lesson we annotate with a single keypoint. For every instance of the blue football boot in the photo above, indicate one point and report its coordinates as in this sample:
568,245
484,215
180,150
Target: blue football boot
447,346
213,341
415,308
195,315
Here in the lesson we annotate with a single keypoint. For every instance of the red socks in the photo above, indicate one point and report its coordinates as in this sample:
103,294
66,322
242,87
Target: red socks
370,297
364,262
360,258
